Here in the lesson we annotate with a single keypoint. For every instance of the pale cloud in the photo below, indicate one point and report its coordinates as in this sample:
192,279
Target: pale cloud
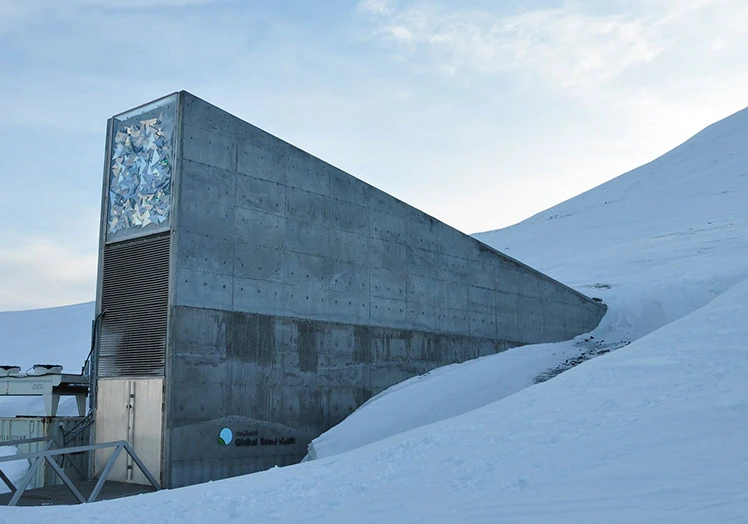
601,91
379,7
401,33
44,273
563,45
11,12
145,4
567,47
479,118
718,44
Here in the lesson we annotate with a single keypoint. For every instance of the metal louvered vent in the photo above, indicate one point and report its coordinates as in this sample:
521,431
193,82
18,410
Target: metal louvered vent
135,294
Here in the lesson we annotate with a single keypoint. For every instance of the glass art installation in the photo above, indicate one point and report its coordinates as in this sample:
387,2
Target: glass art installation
141,170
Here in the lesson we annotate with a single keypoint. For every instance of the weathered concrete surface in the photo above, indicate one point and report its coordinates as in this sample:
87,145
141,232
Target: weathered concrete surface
282,379
297,291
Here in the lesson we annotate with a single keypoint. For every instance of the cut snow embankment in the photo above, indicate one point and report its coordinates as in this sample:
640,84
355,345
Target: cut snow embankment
654,432
453,390
656,244
441,394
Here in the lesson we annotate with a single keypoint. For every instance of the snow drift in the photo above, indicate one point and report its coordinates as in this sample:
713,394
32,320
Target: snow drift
652,432
656,244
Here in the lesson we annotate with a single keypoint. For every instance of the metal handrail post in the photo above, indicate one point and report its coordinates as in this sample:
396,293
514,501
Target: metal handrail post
7,481
105,473
49,454
65,479
142,467
25,481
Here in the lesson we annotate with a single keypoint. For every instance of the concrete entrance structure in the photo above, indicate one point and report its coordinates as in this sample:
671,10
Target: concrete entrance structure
252,296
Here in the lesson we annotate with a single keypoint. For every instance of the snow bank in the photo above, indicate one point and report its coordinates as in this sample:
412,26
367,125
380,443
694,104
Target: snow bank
656,244
441,394
15,470
60,335
653,432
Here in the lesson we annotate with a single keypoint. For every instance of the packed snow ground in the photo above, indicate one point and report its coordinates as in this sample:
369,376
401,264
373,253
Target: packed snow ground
653,432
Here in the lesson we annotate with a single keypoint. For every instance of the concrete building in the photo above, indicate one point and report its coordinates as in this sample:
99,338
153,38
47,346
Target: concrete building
251,296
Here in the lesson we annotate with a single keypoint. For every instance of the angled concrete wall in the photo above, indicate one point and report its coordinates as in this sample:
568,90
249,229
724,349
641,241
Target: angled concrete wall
298,291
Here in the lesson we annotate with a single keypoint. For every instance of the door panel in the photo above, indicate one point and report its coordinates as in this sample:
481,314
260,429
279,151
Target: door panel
130,409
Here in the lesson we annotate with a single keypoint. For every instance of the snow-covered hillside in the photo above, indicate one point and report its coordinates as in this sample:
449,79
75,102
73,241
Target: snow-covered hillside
656,244
653,432
59,335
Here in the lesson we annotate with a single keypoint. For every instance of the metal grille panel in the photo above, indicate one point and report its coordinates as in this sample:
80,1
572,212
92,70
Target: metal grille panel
135,294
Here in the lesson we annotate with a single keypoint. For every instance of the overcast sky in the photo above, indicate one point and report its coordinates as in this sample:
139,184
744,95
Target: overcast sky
479,112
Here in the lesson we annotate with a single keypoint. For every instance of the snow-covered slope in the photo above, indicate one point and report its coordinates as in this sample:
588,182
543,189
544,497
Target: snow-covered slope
656,243
666,237
652,432
60,335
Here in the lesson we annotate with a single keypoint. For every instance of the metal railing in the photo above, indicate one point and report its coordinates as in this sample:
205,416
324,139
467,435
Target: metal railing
49,442
48,454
